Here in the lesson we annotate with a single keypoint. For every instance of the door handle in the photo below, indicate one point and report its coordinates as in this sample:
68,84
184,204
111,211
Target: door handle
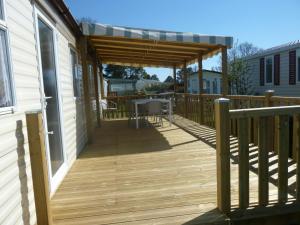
45,100
50,132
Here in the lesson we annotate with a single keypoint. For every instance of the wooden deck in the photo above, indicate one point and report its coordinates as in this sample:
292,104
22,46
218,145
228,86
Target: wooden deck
147,176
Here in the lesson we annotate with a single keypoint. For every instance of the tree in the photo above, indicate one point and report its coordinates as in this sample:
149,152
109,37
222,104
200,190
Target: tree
154,77
180,74
238,68
115,71
125,72
169,79
85,20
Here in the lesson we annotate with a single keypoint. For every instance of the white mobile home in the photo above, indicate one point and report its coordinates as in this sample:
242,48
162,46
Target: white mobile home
277,68
39,70
211,82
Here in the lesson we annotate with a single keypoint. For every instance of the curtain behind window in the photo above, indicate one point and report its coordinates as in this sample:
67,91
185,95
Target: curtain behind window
5,82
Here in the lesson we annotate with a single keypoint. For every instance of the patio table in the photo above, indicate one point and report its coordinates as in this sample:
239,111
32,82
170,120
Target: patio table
137,102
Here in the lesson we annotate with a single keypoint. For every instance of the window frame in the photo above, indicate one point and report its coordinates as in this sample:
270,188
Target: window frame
272,75
3,26
297,66
72,49
3,21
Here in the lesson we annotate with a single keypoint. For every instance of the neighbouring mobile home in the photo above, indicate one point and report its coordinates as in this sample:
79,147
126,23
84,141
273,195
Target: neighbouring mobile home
211,82
277,69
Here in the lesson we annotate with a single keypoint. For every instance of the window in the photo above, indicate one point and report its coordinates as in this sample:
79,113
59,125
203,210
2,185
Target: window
215,86
208,87
1,10
269,70
76,80
298,63
6,93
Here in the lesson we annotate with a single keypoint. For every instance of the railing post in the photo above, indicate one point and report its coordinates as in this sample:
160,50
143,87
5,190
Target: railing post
201,109
36,139
222,119
268,96
185,105
272,129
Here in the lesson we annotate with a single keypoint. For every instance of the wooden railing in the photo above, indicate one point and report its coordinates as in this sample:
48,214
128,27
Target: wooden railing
117,107
265,117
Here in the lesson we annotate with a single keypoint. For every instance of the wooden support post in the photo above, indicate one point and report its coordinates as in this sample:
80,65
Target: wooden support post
185,77
96,78
283,155
224,72
222,119
101,81
174,78
185,90
200,74
39,168
85,77
200,79
296,144
243,140
263,163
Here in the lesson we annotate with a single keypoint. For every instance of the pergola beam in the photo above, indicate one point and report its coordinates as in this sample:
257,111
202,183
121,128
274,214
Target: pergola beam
148,45
141,58
141,55
103,46
138,63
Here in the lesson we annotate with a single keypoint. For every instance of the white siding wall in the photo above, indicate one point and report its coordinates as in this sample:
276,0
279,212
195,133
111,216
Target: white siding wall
284,89
16,191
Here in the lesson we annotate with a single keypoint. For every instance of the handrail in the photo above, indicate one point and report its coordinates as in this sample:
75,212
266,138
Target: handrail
272,129
264,111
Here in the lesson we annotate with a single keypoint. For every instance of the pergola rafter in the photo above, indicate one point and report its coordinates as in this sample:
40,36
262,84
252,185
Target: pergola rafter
153,48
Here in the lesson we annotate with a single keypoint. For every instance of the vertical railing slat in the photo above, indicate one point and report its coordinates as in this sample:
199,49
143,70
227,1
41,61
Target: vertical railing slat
283,155
243,141
263,163
298,160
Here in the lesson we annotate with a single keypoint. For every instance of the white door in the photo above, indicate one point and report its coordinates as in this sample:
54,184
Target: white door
51,100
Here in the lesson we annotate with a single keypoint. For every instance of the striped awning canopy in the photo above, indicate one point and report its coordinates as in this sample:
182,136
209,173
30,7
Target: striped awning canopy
151,48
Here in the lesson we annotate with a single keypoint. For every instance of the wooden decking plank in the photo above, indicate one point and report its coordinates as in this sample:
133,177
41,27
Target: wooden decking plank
154,175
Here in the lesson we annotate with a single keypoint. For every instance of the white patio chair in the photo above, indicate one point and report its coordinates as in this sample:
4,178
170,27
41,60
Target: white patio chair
142,112
155,110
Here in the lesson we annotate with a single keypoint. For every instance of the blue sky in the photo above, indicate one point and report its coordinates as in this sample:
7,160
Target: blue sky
265,23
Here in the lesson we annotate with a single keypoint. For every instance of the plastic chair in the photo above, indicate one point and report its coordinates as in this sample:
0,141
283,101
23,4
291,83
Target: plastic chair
155,110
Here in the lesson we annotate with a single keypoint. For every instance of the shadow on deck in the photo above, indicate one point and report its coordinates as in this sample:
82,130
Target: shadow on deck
146,176
208,136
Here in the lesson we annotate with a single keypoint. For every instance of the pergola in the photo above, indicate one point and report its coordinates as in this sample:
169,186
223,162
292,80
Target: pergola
153,48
